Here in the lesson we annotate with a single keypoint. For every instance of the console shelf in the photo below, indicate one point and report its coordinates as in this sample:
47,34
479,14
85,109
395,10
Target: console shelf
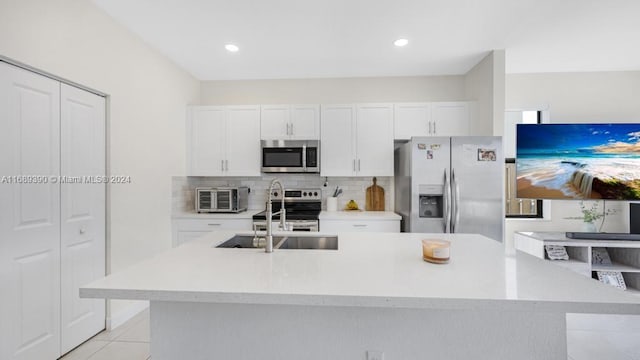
624,254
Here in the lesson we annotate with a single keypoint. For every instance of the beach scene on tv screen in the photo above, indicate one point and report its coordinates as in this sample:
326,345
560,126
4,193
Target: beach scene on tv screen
578,161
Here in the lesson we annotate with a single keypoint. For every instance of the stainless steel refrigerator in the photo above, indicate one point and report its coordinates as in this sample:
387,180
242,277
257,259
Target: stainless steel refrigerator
451,185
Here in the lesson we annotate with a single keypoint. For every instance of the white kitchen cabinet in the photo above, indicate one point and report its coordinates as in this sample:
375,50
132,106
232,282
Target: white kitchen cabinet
293,122
223,141
185,230
450,118
52,235
431,119
335,226
411,119
357,140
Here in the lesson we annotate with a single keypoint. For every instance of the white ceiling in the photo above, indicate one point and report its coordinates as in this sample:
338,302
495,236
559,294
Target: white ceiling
350,38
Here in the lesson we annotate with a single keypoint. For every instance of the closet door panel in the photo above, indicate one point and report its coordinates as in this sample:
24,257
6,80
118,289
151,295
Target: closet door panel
82,212
29,215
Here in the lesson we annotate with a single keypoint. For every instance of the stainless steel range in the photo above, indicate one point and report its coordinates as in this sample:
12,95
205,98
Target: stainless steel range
302,209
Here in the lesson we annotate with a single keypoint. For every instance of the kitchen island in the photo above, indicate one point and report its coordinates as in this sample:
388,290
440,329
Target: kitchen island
374,293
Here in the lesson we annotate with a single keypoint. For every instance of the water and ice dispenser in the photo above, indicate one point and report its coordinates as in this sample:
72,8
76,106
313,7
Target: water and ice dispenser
431,201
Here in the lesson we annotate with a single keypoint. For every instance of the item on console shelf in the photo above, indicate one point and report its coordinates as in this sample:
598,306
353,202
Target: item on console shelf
613,278
600,256
556,252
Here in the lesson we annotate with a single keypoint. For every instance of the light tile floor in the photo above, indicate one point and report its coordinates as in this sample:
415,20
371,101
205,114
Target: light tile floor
127,342
589,337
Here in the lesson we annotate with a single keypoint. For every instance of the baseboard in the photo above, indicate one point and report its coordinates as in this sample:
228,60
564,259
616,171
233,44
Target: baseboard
126,314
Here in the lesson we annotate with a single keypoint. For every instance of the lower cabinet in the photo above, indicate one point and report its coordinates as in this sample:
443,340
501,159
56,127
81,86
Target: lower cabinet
360,226
185,230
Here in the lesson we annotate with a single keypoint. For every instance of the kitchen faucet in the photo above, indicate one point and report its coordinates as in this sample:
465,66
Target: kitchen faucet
283,220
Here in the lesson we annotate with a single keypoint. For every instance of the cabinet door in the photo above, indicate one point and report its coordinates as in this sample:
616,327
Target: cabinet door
374,138
305,122
82,142
450,118
29,216
186,236
274,122
412,119
190,229
206,141
335,226
243,141
337,145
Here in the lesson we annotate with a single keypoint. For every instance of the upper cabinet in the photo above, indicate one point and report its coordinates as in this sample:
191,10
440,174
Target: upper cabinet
223,141
294,122
412,119
357,140
431,119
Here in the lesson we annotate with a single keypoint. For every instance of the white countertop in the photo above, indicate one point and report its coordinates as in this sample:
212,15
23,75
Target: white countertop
194,215
369,269
359,215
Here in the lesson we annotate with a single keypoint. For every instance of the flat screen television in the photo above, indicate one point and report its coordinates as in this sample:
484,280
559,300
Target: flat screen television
578,161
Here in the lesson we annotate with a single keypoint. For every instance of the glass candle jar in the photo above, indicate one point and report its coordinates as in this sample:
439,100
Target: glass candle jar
436,251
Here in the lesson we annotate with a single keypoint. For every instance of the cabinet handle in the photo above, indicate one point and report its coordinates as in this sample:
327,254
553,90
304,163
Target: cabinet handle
359,225
226,165
214,224
291,129
287,129
434,128
222,165
358,164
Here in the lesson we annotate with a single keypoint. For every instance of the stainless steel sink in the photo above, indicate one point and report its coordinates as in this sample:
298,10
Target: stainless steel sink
310,242
283,242
248,242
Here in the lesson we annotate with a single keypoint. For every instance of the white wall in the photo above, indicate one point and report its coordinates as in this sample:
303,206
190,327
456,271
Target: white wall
575,98
148,95
327,91
485,84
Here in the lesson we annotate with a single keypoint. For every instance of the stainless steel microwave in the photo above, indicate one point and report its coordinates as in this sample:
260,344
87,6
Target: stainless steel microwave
222,199
290,156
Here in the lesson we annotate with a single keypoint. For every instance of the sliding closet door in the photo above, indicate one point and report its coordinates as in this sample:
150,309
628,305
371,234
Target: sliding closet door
83,212
29,215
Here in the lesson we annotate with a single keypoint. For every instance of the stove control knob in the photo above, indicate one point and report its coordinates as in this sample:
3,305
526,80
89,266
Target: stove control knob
305,193
275,193
315,193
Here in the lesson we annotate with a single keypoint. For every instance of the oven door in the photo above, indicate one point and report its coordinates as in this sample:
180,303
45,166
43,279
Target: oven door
296,225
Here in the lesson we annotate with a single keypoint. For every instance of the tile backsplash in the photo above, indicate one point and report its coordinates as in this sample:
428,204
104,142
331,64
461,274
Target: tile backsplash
352,188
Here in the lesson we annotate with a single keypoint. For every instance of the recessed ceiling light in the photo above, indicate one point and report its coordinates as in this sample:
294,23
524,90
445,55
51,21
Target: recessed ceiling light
401,42
232,48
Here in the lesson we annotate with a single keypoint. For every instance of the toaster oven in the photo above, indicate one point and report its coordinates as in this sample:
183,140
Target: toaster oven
222,199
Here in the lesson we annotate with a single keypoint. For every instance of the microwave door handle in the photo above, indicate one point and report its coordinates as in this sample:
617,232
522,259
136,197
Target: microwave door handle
304,156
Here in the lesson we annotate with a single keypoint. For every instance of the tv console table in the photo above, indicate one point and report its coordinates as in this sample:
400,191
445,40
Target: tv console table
624,254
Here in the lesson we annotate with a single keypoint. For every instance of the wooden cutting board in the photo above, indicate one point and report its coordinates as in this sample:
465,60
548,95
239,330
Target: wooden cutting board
374,197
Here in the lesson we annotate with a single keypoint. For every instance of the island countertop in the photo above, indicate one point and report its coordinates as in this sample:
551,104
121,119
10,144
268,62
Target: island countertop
369,270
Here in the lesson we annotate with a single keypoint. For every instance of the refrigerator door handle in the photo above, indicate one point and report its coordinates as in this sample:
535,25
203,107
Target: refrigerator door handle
447,203
456,198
